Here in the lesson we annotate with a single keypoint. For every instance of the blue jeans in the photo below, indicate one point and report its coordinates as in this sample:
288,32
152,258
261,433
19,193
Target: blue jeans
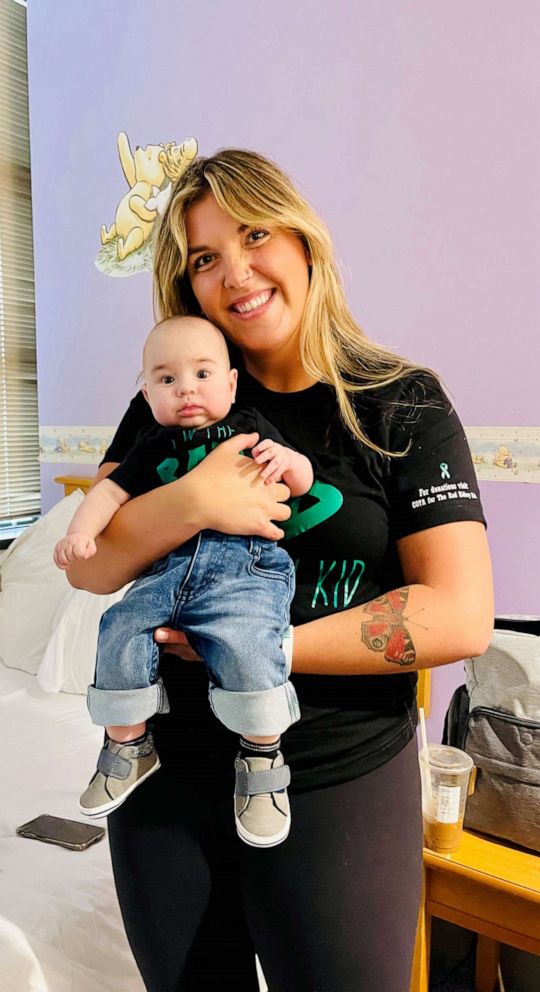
231,596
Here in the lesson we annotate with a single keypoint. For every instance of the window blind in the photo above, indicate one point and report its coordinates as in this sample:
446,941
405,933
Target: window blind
19,437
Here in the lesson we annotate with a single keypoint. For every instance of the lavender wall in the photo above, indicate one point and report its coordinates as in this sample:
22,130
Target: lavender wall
410,126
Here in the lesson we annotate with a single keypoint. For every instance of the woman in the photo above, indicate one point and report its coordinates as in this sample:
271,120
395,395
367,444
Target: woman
392,575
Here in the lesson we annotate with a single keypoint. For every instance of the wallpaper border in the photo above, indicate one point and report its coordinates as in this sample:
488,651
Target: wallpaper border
500,454
76,445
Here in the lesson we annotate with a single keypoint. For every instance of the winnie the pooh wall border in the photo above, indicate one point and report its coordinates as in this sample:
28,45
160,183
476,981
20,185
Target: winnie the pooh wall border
500,454
150,172
505,454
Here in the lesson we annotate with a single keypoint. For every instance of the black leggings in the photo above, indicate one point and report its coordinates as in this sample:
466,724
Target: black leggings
332,909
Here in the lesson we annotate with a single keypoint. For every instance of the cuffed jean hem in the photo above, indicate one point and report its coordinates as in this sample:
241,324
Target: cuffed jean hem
125,707
260,714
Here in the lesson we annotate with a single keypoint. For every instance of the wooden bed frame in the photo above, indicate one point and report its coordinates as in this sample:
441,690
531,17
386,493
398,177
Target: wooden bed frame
73,482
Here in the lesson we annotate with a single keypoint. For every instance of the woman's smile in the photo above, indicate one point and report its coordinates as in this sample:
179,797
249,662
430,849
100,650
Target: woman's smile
253,305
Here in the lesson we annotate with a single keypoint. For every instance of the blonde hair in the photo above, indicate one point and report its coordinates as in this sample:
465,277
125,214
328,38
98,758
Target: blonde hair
254,191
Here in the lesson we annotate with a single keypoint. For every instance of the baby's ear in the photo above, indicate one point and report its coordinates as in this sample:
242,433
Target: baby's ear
144,391
233,379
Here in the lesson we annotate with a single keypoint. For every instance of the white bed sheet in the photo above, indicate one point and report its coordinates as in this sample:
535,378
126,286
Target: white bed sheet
60,924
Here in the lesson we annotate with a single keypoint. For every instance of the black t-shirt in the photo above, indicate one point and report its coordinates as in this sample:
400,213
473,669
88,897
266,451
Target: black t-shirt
341,536
163,454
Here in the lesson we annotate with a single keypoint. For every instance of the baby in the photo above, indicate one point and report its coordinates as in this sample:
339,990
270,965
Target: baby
229,594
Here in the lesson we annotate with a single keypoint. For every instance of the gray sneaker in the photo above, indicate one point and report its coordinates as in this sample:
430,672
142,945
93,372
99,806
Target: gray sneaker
261,803
120,769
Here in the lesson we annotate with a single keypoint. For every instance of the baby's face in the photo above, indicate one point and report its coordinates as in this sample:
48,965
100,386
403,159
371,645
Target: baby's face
188,382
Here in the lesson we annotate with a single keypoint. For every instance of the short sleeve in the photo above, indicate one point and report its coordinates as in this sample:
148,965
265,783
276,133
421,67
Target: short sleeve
137,417
435,482
135,472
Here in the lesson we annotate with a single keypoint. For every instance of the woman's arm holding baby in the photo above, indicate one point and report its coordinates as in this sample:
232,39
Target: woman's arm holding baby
224,492
97,510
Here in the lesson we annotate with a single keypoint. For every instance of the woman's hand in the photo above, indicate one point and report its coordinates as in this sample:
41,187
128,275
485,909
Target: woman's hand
231,496
175,642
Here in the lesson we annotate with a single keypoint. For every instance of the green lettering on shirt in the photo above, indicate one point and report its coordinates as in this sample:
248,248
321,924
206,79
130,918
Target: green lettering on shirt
329,501
334,592
167,470
196,455
225,431
319,588
347,597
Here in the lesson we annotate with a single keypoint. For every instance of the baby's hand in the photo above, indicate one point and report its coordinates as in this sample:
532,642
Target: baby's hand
72,548
277,457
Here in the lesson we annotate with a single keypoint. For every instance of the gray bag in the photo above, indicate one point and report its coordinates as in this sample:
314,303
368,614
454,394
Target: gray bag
496,719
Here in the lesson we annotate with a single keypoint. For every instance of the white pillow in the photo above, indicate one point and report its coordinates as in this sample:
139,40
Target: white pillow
70,655
32,587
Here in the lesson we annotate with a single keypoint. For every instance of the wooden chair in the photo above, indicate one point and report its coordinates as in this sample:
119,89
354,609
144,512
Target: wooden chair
486,886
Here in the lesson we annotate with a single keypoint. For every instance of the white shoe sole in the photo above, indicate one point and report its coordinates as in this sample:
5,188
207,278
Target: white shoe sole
254,840
99,811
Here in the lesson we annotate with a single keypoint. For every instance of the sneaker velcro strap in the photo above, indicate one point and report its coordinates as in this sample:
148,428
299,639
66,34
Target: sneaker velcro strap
113,764
257,783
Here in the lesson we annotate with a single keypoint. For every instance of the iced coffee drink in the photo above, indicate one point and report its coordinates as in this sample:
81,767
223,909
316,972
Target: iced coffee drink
445,780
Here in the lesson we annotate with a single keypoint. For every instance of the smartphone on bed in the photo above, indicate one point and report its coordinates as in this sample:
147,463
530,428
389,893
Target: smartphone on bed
72,834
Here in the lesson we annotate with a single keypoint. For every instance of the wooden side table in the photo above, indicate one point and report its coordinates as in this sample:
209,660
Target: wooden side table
485,886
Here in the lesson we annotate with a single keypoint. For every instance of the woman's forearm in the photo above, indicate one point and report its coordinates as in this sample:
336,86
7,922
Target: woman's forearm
408,629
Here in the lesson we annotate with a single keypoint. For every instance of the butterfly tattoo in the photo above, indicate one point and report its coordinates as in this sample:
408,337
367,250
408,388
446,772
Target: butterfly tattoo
387,631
